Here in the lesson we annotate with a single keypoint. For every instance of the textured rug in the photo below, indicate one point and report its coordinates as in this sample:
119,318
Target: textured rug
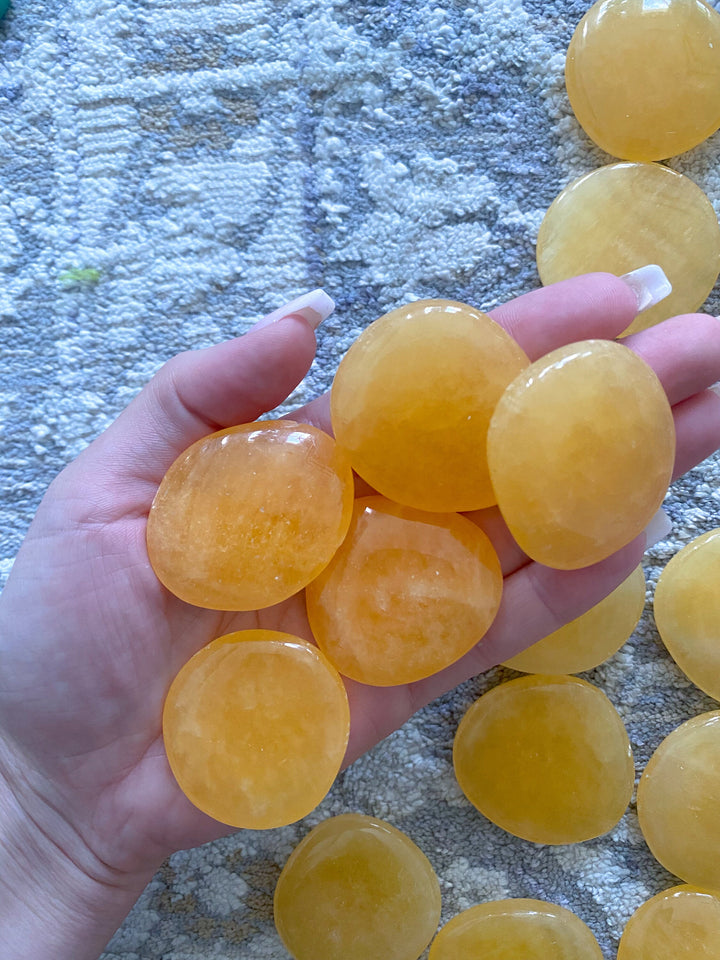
171,170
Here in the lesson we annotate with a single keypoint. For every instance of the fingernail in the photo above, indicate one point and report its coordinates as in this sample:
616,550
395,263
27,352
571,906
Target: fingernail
658,528
649,284
315,307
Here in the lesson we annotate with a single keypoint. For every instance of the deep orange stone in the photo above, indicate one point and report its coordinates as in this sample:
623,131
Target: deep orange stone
682,923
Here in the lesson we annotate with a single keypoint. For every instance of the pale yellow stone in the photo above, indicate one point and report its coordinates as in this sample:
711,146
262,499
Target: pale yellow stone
592,638
643,76
687,611
682,923
626,215
357,888
581,449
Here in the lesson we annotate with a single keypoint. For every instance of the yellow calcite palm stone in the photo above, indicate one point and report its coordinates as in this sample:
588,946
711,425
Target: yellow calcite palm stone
255,728
682,923
677,802
581,449
515,930
407,593
687,611
546,758
356,888
412,399
625,215
247,516
589,640
644,77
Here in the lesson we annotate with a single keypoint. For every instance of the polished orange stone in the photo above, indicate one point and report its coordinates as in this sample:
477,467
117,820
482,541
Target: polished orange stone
682,923
247,516
643,76
581,449
545,758
687,611
407,593
625,215
515,930
255,728
412,399
356,889
589,640
677,802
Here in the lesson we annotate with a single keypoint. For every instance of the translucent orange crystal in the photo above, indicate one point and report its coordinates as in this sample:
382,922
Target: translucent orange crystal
581,449
354,889
625,215
644,77
678,802
687,611
682,923
589,640
247,516
515,930
255,728
412,399
406,594
545,758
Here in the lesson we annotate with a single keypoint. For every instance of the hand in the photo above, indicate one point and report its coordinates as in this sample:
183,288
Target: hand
90,641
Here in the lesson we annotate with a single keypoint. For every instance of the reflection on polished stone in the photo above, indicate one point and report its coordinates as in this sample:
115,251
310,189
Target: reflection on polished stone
682,923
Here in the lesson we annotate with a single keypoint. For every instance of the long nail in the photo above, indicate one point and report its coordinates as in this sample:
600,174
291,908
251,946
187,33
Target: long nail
315,307
658,528
649,284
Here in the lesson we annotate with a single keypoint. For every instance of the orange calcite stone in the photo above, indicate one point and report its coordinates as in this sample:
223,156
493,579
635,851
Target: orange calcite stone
687,611
407,593
357,889
255,728
412,399
625,215
677,802
247,516
581,449
545,758
682,923
589,640
515,930
644,77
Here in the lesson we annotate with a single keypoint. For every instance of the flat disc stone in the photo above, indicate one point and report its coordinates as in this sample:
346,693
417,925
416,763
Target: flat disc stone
687,611
644,78
682,923
581,449
247,516
255,728
678,802
625,215
515,930
545,758
591,639
356,889
412,399
407,593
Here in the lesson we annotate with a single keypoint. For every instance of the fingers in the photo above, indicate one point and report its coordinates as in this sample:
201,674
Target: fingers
697,428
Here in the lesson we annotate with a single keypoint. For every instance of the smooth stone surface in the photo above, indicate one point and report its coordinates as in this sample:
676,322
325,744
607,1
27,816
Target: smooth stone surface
545,758
515,930
591,639
246,517
255,728
625,215
687,611
581,449
682,923
644,77
407,593
356,889
678,802
412,399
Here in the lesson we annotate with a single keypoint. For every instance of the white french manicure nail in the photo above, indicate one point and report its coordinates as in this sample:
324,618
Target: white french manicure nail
658,528
315,307
649,284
